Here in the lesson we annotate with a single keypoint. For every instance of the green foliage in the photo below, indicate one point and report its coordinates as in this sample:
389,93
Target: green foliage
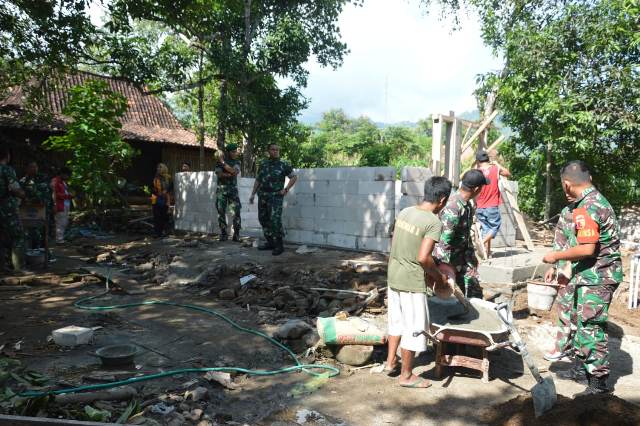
571,79
92,138
339,140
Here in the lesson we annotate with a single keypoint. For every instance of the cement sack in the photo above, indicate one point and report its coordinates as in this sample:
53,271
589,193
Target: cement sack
350,331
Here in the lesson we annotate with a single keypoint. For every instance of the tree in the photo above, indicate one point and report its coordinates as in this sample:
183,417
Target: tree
250,43
569,90
92,138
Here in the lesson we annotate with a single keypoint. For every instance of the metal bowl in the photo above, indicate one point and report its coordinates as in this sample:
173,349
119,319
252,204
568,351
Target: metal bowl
117,355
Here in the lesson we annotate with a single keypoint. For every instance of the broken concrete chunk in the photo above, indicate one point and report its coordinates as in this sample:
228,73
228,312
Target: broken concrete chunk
222,378
355,355
292,329
311,338
198,394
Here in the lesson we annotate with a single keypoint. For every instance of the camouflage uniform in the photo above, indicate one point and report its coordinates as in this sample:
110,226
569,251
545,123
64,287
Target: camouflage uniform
565,238
227,196
11,232
37,190
595,279
271,176
455,246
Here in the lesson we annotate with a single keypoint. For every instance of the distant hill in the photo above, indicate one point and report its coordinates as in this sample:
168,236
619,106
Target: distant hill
474,115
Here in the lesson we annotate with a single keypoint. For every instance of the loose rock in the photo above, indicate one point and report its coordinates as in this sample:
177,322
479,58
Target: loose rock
227,294
292,329
355,355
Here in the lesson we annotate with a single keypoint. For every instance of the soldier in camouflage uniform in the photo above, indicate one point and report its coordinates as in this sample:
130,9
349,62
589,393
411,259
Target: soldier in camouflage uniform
11,232
564,238
37,190
455,246
597,271
271,191
227,192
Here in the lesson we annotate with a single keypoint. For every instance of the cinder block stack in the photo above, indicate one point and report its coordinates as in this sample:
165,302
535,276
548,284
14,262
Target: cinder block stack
348,207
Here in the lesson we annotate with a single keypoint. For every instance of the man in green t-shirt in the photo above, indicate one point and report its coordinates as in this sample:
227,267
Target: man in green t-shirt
416,231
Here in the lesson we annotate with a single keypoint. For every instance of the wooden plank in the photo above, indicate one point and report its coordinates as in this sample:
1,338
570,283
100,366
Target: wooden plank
478,240
513,204
6,420
436,144
466,153
482,127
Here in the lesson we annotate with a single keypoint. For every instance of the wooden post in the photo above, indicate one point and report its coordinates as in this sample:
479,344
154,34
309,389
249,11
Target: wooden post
436,144
455,144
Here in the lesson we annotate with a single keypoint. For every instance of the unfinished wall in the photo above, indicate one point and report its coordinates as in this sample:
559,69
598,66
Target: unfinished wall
196,204
348,207
412,190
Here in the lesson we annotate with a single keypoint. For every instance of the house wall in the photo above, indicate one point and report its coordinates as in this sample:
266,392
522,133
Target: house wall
173,156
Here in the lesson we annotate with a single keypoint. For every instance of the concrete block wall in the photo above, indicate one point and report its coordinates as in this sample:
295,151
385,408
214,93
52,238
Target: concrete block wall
347,207
196,204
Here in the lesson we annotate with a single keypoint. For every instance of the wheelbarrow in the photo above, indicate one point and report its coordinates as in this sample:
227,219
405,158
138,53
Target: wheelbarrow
452,325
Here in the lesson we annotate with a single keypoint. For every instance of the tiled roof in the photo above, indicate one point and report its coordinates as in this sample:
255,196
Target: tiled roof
147,118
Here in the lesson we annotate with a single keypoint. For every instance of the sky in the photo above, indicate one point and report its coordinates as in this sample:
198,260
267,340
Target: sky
424,65
427,67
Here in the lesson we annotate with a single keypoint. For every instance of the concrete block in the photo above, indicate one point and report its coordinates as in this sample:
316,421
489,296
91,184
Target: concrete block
341,240
383,230
319,238
360,228
373,244
377,187
415,174
511,269
408,201
415,189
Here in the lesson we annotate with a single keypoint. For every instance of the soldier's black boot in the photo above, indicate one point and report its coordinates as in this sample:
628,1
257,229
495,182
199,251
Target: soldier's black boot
596,385
268,245
577,373
279,247
223,236
236,235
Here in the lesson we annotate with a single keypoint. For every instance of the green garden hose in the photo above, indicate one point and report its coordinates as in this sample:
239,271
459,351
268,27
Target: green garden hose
80,304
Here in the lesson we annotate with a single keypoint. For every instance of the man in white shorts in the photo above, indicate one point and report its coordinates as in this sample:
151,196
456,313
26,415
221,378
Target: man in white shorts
416,231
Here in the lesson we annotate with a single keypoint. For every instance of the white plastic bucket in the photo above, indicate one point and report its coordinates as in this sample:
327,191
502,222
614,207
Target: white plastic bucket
541,296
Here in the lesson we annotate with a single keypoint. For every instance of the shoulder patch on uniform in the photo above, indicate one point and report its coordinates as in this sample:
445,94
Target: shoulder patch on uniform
587,229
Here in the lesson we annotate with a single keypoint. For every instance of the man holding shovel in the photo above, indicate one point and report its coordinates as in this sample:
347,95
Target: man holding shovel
597,271
416,231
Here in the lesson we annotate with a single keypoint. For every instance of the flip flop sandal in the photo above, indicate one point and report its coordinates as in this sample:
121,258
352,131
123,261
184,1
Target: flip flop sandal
418,384
383,368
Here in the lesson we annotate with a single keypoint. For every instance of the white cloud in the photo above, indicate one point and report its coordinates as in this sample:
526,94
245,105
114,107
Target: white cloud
427,67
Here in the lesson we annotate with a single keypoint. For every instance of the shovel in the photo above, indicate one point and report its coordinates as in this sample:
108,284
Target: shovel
544,392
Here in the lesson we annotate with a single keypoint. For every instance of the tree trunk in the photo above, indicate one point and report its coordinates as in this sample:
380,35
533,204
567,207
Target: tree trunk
248,156
221,132
201,114
547,195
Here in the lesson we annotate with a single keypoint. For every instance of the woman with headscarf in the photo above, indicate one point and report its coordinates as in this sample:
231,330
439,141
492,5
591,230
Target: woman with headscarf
160,199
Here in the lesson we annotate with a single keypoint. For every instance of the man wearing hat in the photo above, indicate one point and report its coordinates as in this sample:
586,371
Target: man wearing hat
227,195
455,247
489,200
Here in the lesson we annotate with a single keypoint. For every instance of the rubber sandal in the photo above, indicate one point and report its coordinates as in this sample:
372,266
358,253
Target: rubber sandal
382,368
417,384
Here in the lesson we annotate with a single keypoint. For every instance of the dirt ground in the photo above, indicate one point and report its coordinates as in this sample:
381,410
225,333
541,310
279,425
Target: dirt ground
198,270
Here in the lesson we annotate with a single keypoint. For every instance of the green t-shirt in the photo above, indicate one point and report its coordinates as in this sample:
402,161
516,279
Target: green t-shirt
412,226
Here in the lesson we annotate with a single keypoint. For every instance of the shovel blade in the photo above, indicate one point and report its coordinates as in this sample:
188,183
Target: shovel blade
544,396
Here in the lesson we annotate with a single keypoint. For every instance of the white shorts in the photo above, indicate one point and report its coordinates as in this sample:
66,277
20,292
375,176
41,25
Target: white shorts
408,313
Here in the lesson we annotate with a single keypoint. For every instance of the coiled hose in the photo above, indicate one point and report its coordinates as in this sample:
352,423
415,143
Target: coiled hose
81,304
